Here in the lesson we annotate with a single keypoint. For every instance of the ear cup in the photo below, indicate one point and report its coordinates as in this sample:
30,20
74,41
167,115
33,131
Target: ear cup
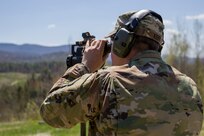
122,42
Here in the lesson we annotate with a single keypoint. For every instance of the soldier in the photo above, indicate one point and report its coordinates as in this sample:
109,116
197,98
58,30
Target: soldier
139,95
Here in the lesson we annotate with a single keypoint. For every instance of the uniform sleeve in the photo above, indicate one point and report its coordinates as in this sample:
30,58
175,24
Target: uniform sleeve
72,99
189,87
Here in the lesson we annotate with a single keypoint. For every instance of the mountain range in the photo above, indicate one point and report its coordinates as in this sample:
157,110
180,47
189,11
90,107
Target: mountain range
10,52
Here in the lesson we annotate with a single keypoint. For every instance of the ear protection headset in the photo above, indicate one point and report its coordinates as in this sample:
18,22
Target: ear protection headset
124,37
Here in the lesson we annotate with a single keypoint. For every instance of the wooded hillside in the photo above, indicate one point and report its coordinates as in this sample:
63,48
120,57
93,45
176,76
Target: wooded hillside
23,87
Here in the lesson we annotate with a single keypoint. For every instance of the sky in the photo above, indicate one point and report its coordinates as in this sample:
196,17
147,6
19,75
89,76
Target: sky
59,22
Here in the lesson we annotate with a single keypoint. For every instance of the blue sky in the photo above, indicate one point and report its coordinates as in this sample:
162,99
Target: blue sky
57,22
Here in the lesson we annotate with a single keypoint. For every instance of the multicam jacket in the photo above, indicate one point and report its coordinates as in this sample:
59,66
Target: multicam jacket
146,97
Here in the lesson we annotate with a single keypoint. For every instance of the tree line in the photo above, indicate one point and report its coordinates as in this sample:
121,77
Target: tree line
22,100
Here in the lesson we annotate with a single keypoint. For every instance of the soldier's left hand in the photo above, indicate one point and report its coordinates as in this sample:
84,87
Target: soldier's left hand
93,54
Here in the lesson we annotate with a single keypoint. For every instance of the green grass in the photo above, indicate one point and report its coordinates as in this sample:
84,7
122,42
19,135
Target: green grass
34,128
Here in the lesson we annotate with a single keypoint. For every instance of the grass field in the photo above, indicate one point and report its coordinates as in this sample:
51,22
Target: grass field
35,128
12,78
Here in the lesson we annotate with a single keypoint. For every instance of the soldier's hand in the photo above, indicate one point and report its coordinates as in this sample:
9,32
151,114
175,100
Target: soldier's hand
93,54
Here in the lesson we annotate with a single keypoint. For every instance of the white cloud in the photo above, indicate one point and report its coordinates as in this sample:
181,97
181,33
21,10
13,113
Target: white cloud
196,17
51,26
168,22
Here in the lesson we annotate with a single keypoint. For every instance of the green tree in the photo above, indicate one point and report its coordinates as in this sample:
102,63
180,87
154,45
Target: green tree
177,53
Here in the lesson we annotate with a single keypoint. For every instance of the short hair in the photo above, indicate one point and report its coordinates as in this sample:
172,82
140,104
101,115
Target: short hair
151,44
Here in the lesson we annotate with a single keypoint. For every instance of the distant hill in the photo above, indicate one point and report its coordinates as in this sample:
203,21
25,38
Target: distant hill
32,53
33,49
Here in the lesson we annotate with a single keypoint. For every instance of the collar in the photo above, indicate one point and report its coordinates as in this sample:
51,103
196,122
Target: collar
146,57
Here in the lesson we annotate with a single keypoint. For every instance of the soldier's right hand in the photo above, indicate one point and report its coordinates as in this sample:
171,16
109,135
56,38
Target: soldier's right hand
93,57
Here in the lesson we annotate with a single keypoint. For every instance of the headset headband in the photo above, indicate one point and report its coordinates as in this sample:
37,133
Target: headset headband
143,13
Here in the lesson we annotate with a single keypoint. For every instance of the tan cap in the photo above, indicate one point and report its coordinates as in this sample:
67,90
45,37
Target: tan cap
149,26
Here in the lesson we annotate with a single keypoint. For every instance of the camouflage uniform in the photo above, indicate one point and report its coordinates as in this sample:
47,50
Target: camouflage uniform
146,97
